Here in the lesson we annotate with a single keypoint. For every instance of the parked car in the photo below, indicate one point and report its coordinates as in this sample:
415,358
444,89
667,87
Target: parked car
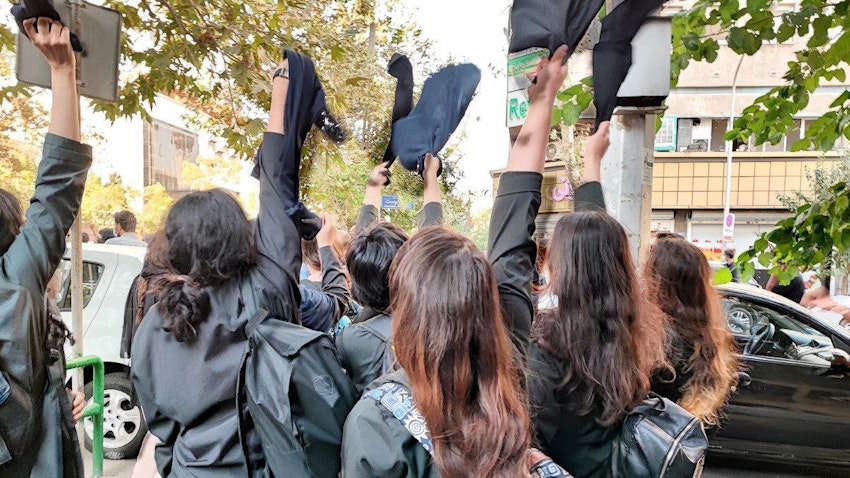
792,404
108,273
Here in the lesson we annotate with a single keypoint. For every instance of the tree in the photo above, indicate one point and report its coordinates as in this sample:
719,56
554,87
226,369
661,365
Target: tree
103,198
336,183
157,203
218,56
20,123
228,173
697,33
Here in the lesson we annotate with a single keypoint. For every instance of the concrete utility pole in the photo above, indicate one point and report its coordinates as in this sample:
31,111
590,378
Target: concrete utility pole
627,168
76,234
627,171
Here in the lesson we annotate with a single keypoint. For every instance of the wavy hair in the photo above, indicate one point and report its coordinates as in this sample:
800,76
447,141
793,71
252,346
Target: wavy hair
607,334
209,242
679,277
451,339
11,219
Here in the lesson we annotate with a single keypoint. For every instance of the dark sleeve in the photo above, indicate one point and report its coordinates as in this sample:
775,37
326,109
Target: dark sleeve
131,307
277,240
334,284
589,197
430,215
35,253
368,216
321,309
512,250
736,276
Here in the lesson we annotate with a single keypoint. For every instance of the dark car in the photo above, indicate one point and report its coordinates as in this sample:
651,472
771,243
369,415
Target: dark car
793,403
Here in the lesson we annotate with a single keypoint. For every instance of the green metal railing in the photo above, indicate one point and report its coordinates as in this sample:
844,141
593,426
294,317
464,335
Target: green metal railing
95,409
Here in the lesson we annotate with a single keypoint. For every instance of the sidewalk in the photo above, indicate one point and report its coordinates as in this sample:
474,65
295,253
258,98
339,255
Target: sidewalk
111,468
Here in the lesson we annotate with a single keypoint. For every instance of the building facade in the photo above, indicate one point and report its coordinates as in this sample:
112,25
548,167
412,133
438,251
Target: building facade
688,187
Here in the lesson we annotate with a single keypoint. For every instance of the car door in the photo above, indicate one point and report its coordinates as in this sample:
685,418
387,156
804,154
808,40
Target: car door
797,405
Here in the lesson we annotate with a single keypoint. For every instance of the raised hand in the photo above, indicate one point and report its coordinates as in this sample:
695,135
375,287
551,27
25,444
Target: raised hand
53,40
327,235
380,176
594,150
549,76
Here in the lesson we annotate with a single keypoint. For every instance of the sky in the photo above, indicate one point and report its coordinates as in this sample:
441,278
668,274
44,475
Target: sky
474,31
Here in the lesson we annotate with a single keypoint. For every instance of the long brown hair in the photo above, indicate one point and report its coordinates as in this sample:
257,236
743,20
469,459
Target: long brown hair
451,339
680,281
604,330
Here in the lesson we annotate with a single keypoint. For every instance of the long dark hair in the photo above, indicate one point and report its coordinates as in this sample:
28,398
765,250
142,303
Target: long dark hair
451,339
210,241
11,219
606,332
680,282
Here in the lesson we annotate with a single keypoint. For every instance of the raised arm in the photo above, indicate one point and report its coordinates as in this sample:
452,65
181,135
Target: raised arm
432,200
277,239
36,251
588,196
378,178
511,247
321,310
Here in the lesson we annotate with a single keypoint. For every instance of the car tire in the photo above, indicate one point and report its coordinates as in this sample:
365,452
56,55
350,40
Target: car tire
124,429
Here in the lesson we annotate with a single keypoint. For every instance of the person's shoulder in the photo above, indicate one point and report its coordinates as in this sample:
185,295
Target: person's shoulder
354,336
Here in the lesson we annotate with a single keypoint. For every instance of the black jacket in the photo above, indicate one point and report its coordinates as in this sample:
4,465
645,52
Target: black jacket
320,309
37,416
188,390
361,352
376,444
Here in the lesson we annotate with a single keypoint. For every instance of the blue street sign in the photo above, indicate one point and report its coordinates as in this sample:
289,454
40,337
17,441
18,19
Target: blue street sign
389,202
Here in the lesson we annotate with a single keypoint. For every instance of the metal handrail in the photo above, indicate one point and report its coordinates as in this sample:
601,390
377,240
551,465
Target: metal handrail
94,409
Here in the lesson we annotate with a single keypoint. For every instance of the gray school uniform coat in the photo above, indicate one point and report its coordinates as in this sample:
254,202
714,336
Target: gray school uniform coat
188,390
37,436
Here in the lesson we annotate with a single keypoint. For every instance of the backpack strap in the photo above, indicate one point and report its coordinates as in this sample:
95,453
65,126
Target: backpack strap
399,402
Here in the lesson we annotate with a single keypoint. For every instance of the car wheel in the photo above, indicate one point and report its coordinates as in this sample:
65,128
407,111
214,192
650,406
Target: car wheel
123,426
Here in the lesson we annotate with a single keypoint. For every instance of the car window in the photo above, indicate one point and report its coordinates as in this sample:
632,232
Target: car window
768,332
92,273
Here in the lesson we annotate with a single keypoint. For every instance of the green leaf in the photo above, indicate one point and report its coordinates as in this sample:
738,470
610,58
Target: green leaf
748,270
760,245
570,114
845,239
722,276
765,259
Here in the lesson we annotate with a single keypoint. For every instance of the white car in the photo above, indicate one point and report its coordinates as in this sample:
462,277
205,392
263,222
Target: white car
108,274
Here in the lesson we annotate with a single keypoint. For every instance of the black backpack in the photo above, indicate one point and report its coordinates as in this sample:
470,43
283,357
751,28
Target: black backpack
296,396
659,439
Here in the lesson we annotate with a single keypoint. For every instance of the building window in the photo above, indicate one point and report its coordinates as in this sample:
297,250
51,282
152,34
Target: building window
166,149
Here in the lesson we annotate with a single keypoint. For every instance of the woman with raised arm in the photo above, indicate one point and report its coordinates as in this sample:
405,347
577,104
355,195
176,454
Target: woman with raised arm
37,435
701,348
456,406
589,359
188,349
